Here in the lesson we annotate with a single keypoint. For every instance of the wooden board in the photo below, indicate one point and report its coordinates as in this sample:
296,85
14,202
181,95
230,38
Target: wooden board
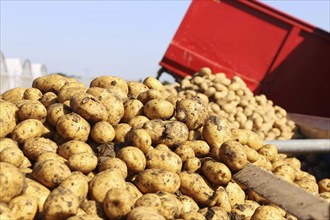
291,198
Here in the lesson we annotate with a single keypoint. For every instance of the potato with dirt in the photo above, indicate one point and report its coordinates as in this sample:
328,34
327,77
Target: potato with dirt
170,133
135,88
154,180
232,154
69,148
89,107
193,112
29,128
10,176
55,111
102,132
139,138
38,191
73,127
163,159
133,108
216,172
108,81
158,109
117,203
83,162
134,159
12,155
8,118
49,83
34,147
32,110
24,207
145,212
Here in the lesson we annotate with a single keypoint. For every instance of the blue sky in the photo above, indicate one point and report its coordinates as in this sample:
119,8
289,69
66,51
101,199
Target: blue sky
122,38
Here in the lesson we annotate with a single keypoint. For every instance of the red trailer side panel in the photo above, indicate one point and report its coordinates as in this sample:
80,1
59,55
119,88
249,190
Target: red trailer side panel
274,53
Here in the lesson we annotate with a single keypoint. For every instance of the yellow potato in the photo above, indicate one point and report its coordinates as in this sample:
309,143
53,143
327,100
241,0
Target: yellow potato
83,162
216,172
72,147
117,203
232,153
158,109
49,83
113,163
78,185
37,191
27,129
133,158
48,99
102,132
13,95
163,159
34,147
32,110
55,111
145,212
139,138
8,118
12,155
24,207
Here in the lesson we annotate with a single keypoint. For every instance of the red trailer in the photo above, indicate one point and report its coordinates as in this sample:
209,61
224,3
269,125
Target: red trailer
276,54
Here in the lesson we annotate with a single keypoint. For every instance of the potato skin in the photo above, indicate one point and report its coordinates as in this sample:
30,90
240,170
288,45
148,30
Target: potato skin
133,158
193,112
50,173
24,207
117,203
103,182
26,129
216,172
13,95
132,108
324,185
135,88
158,109
12,155
55,111
145,212
247,137
153,180
61,204
102,132
49,83
34,147
139,138
83,162
78,185
235,194
114,163
72,147
87,106
201,148
37,191
108,81
163,159
8,118
73,127
120,132
32,110
10,176
266,212
233,155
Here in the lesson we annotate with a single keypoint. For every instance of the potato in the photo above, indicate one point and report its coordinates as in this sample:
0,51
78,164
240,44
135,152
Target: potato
37,191
24,207
163,159
70,89
171,207
149,200
55,111
133,191
135,88
233,155
192,165
27,129
117,92
10,176
158,109
133,158
193,185
102,132
114,163
138,121
78,185
266,212
88,107
8,118
120,132
72,147
215,132
150,94
103,182
50,156
13,95
246,210
235,194
264,163
153,83
153,180
61,204
84,217
7,143
49,83
325,196
32,94
193,112
285,172
145,212
5,212
50,173
201,148
107,81
170,133
216,172
188,204
214,213
12,155
73,127
48,99
185,152
133,108
308,185
251,154
34,147
324,185
117,203
93,208
192,215
83,162
269,151
139,138
247,137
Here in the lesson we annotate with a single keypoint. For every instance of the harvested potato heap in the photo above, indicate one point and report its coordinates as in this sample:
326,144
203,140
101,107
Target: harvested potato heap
129,150
233,100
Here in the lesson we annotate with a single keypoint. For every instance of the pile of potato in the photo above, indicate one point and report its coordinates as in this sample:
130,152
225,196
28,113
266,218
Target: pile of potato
130,150
233,100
